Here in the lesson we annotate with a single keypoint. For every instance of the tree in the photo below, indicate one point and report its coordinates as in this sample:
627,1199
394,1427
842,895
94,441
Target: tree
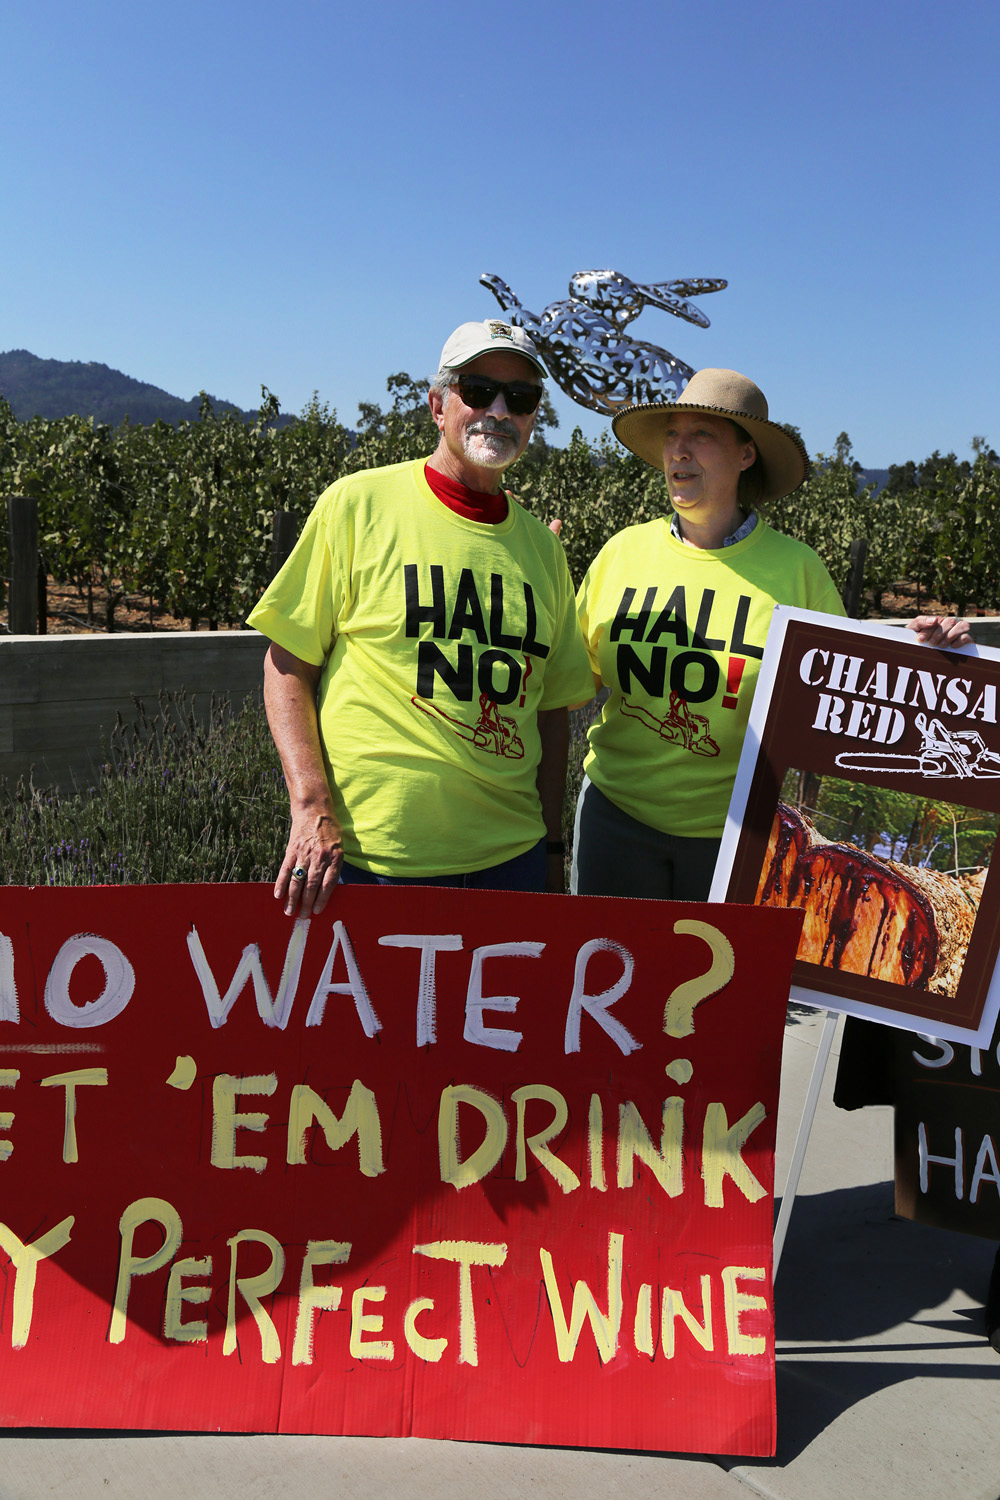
829,511
967,513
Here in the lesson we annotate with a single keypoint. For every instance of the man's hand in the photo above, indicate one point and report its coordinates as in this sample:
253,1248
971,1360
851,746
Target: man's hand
941,630
311,867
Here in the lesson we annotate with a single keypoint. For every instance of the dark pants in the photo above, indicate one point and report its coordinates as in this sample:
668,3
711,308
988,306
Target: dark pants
525,872
616,855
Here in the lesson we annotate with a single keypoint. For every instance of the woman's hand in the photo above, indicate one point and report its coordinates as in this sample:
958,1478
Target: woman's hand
941,630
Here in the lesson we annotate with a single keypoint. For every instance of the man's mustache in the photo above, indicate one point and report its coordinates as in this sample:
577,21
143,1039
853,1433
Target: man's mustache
494,425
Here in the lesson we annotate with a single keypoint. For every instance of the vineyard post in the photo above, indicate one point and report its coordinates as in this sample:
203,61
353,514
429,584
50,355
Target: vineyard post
855,577
22,526
283,538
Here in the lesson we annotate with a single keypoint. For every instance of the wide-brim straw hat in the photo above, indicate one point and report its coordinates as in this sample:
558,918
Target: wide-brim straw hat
720,393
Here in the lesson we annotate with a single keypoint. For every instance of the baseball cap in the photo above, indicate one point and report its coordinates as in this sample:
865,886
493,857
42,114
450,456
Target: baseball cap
470,340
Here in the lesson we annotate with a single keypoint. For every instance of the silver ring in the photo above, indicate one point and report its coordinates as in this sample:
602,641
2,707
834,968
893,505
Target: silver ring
298,873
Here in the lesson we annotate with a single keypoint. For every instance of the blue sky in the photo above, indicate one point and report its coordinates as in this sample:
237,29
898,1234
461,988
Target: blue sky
218,195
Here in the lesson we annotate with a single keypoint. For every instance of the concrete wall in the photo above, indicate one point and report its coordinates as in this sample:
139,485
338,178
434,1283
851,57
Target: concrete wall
59,694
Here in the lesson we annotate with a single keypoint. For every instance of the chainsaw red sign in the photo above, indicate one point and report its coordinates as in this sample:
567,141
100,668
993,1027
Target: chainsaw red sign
868,798
453,1164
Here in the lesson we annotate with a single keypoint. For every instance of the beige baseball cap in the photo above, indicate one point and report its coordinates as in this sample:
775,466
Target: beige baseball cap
470,340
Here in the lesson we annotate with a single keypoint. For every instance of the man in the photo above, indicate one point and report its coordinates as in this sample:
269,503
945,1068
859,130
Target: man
425,647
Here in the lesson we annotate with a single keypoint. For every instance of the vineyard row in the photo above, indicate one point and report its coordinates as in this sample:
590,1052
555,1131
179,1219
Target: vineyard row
183,517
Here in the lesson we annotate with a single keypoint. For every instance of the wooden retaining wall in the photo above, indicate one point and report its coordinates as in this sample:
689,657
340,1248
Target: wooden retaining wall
60,695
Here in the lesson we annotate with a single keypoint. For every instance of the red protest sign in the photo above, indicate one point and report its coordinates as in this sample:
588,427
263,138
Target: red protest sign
451,1164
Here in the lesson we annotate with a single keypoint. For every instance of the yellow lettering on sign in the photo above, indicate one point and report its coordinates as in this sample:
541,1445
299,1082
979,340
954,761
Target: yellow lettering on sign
463,1173
604,1326
643,1330
467,1253
537,1144
423,1348
252,1289
678,1013
24,1259
195,1332
362,1323
675,1307
71,1082
8,1078
360,1118
666,1164
595,1144
720,1153
738,1302
143,1210
226,1119
314,1299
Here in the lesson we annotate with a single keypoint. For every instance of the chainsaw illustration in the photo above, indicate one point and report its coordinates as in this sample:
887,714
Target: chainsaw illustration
944,752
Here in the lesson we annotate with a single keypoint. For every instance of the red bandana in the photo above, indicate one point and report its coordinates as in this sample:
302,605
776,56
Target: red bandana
472,504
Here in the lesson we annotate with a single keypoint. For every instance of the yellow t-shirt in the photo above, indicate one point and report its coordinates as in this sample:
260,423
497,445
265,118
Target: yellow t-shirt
677,635
440,639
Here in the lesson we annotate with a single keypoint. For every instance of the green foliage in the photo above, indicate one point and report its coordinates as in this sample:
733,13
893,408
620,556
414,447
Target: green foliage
179,798
181,516
967,533
898,825
405,431
594,490
215,542
830,511
184,516
946,526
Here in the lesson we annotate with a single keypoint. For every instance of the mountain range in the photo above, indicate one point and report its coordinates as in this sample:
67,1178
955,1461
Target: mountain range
72,387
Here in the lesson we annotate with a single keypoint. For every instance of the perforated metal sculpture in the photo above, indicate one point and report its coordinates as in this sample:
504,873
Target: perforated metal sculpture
584,345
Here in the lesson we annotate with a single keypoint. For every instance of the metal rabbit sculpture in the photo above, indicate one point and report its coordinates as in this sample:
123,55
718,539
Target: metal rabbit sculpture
583,341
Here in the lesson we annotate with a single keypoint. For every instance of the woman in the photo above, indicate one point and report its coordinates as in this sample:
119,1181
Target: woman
675,613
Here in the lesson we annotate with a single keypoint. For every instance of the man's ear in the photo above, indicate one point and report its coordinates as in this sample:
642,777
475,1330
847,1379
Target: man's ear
435,400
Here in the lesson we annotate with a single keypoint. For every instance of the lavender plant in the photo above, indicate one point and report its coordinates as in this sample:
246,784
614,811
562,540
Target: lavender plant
181,796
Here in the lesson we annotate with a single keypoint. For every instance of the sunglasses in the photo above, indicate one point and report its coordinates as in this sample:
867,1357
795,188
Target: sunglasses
479,391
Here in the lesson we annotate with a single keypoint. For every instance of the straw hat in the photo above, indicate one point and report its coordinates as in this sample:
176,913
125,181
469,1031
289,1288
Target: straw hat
720,393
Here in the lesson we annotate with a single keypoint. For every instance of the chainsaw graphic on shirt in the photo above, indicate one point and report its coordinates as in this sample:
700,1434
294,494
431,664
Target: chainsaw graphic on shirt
678,727
493,731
